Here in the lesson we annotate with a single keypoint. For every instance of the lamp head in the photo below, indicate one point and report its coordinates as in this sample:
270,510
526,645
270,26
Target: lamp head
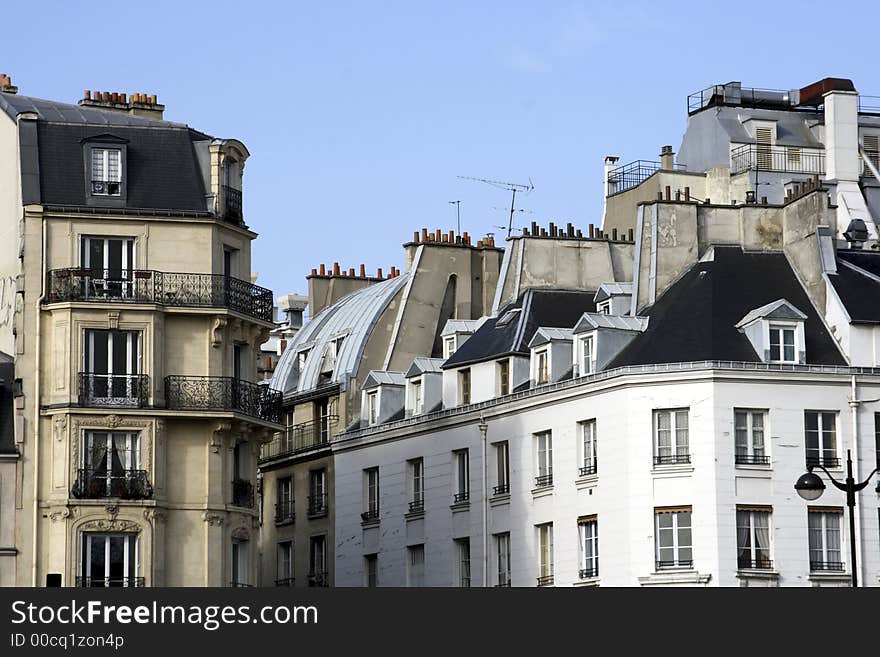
810,486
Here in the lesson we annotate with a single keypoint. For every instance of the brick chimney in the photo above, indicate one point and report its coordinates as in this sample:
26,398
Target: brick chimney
136,104
6,84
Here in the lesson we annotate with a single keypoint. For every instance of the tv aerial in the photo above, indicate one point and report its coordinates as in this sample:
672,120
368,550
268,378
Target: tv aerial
513,188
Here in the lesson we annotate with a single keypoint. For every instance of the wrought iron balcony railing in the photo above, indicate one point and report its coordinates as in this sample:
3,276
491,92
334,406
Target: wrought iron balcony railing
284,581
544,480
827,461
679,563
166,288
417,506
318,579
222,393
284,512
299,438
317,505
672,459
240,585
784,159
114,390
107,582
589,571
462,497
501,489
545,580
233,205
242,493
752,459
588,469
123,484
370,515
827,566
747,563
633,174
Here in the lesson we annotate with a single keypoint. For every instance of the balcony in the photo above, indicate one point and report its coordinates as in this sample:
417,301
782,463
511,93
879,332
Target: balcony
747,563
300,438
319,579
284,513
317,505
462,497
752,459
285,581
588,469
672,459
501,489
826,461
222,393
826,566
109,582
417,506
242,493
680,563
545,580
168,289
240,585
122,484
633,174
233,212
370,515
113,390
783,159
544,480
590,571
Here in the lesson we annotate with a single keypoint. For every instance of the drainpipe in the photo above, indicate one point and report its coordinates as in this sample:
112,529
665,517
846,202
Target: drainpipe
36,401
483,427
854,406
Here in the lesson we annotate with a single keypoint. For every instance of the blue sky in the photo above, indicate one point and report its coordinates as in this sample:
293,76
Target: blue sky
360,116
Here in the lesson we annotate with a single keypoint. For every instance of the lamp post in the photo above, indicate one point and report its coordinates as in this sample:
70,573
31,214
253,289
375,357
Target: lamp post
484,428
810,487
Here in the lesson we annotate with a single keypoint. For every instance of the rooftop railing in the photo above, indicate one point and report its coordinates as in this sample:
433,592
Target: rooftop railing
633,174
735,95
784,159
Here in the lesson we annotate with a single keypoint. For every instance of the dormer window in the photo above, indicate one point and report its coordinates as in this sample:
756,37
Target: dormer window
604,307
776,332
448,346
541,369
782,343
106,171
417,396
587,356
104,164
372,407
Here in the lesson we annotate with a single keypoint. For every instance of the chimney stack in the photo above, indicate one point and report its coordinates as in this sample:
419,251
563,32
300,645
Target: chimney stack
135,104
6,84
667,158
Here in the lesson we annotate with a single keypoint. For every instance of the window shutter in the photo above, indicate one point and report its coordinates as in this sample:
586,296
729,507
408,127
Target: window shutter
764,139
871,146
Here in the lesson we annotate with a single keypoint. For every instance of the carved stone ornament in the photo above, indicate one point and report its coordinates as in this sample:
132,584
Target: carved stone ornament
213,519
59,513
241,534
110,526
217,332
112,511
113,421
154,515
60,424
221,430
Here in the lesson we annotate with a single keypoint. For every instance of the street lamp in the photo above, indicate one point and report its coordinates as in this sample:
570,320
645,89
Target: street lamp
810,487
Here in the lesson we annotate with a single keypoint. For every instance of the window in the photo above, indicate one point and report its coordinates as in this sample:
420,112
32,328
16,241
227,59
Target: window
753,537
415,571
589,462
317,492
462,476
541,373
544,459
502,468
106,168
371,484
284,574
749,436
318,561
463,554
671,437
502,559
417,396
764,150
464,386
111,264
588,530
416,485
587,355
288,436
109,560
111,462
284,501
821,438
673,537
825,539
604,307
230,262
448,346
877,437
322,420
371,568
545,554
112,365
240,565
503,377
372,407
782,344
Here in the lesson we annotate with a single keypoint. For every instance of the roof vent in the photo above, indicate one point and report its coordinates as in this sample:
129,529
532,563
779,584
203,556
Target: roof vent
856,233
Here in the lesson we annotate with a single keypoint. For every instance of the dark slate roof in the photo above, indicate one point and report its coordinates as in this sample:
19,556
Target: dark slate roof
51,110
859,293
560,308
867,260
696,318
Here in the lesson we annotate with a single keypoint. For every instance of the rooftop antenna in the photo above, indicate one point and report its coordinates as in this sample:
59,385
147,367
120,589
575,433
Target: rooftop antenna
513,188
457,205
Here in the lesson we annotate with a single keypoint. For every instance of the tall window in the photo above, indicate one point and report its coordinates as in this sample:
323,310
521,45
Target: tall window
821,438
749,436
106,171
112,365
417,396
318,561
284,500
502,559
588,530
464,386
673,537
415,571
288,436
504,377
448,346
671,437
825,539
544,459
322,420
545,554
782,344
284,576
877,437
371,496
111,462
502,468
541,371
372,407
317,491
240,564
462,476
416,485
587,355
109,560
110,261
463,554
753,537
589,461
371,567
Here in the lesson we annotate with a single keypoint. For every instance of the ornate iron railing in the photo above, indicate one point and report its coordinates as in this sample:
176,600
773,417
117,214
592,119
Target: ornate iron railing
672,459
114,390
752,459
827,461
832,566
317,505
318,579
501,489
747,563
124,484
545,580
105,582
680,563
785,159
370,515
284,581
544,480
462,497
242,493
284,512
166,288
588,469
299,438
589,571
233,205
417,506
222,393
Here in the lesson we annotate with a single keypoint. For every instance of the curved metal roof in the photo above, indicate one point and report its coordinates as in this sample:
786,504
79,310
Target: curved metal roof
352,319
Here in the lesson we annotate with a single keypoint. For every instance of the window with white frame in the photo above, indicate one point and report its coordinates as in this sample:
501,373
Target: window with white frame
502,468
318,561
544,459
502,559
753,537
240,564
415,570
109,560
464,386
371,568
588,531
371,494
545,554
604,307
416,389
824,526
782,344
671,437
111,466
589,461
504,377
448,346
416,469
587,355
463,560
111,264
372,407
284,574
673,538
541,367
461,475
748,427
112,367
820,435
106,171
